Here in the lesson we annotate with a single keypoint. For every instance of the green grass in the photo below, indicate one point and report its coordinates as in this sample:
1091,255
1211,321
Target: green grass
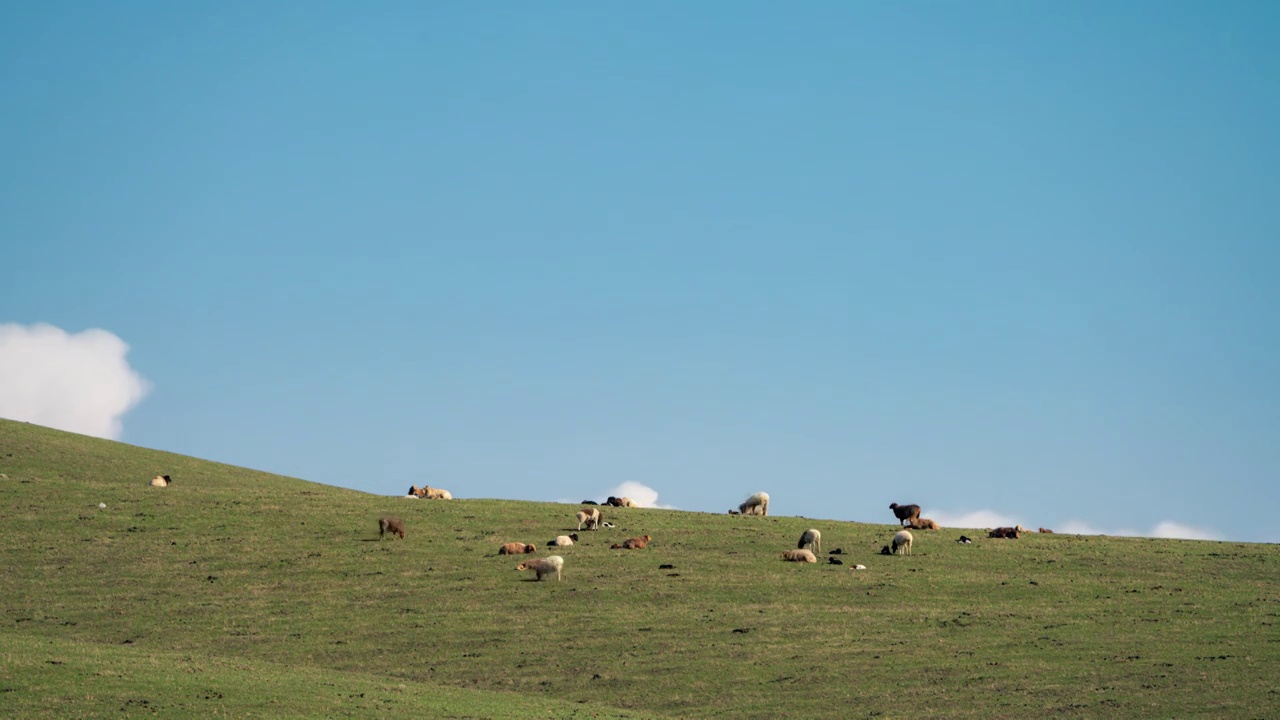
264,596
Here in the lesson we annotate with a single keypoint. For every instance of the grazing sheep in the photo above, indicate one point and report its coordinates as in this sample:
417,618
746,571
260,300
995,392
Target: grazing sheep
902,541
161,481
811,539
563,540
799,556
390,524
515,548
635,543
1046,531
543,566
757,504
590,517
904,513
920,523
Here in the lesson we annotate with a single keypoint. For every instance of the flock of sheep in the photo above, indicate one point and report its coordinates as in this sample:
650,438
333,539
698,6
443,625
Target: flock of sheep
807,549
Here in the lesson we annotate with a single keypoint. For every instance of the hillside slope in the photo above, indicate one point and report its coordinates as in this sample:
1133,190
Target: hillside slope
232,574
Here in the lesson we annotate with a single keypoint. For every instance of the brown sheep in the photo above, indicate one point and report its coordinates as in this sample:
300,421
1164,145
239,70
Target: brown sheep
590,517
390,524
904,513
920,523
799,556
1011,533
1046,531
636,543
543,566
161,481
515,548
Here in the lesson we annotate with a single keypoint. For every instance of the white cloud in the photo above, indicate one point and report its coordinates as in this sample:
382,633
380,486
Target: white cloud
78,382
645,496
1164,529
975,519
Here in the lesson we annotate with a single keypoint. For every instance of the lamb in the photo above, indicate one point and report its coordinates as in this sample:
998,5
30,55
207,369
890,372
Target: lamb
161,481
635,543
563,540
757,504
811,539
1046,531
799,556
920,523
589,516
902,540
390,524
516,548
543,566
431,493
589,502
904,513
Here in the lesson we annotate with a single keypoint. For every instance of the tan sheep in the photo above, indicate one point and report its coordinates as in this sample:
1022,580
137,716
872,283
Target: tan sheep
920,523
543,566
390,524
1046,531
904,513
516,548
635,543
627,502
161,481
430,493
799,556
811,539
902,541
757,504
563,540
590,517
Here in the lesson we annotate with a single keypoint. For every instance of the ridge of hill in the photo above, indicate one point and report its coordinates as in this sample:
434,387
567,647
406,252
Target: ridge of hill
265,596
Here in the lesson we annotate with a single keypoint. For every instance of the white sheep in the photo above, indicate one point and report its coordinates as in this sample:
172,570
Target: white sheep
437,494
160,481
563,540
811,539
757,504
590,517
543,566
799,556
902,540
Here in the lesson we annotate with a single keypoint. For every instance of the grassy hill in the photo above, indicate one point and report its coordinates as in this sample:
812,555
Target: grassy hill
255,595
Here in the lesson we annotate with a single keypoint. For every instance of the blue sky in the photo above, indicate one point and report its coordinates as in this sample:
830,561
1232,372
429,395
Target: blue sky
1009,261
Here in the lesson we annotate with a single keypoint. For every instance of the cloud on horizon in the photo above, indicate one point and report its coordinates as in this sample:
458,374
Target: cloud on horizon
79,382
991,519
645,496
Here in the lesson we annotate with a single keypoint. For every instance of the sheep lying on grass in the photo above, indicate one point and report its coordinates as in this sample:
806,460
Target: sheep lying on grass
590,517
1010,533
811,539
902,541
563,540
390,524
1046,531
904,513
757,504
922,524
799,556
543,567
515,548
161,481
635,543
